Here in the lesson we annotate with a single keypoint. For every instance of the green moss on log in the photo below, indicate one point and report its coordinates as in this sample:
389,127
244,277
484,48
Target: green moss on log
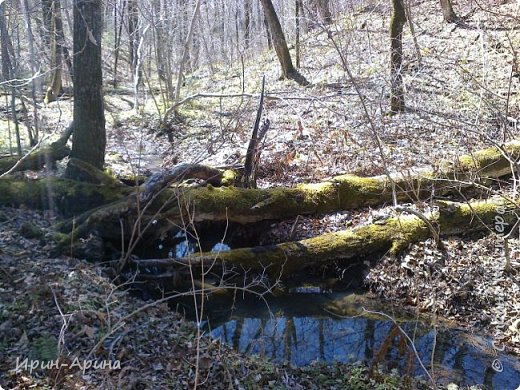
393,235
68,196
340,193
247,205
490,162
37,159
344,192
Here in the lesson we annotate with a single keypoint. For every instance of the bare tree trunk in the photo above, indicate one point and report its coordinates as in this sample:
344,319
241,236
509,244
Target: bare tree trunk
412,30
318,12
138,67
89,137
118,28
396,57
47,22
8,72
55,86
268,34
209,52
447,11
162,54
326,15
297,8
62,41
133,32
35,84
184,57
280,44
247,22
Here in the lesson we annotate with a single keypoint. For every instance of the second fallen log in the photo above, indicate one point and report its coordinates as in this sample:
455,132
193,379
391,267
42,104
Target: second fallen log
392,235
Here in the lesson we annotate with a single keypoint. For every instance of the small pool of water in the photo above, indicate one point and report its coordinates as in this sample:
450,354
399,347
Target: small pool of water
302,328
307,326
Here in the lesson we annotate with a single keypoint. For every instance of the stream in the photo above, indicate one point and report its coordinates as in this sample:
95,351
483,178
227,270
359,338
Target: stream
334,327
310,324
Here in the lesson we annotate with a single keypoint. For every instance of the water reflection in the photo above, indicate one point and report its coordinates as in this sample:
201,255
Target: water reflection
292,335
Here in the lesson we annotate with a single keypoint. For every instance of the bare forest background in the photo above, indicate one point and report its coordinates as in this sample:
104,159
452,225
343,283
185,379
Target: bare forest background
201,62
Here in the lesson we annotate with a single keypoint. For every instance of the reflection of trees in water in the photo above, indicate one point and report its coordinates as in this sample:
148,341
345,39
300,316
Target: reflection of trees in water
302,340
289,338
368,336
395,350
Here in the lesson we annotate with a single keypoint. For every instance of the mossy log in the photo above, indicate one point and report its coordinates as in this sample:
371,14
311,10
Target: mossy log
339,193
174,206
393,235
37,159
67,196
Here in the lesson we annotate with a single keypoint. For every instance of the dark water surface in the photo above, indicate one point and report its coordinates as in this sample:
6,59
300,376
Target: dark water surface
302,328
308,326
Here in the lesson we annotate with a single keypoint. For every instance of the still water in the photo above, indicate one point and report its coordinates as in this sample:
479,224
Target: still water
303,328
307,326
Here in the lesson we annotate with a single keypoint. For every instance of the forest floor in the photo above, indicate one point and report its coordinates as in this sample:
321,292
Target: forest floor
61,306
462,96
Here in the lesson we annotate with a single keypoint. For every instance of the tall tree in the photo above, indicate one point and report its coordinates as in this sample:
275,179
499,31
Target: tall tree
119,8
324,9
280,44
298,6
35,83
185,51
162,47
52,19
133,33
247,22
318,12
89,137
447,11
268,34
9,71
396,56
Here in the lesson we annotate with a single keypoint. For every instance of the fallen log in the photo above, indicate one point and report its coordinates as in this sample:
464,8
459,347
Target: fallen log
167,207
39,157
174,206
36,160
339,193
67,196
394,234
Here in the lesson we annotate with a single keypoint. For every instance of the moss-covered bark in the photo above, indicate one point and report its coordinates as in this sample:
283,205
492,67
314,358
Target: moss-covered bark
36,160
247,205
392,235
340,193
67,196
